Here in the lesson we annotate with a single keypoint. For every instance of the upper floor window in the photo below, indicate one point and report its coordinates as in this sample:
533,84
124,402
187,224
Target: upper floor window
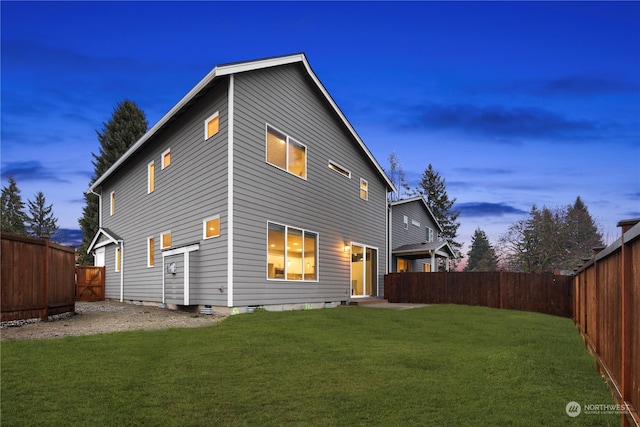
211,125
342,171
292,253
166,158
286,153
113,203
405,222
364,189
151,177
430,235
165,240
211,227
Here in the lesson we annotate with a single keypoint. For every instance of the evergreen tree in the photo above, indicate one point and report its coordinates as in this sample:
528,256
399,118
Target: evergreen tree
13,218
42,223
583,234
396,174
433,187
481,256
127,124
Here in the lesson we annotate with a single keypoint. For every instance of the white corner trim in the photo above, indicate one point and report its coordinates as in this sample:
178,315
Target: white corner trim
230,103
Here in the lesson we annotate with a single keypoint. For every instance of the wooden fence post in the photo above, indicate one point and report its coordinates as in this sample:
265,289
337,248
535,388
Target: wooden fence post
45,279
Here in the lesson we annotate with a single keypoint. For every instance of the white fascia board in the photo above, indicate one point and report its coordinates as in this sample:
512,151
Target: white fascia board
110,238
424,202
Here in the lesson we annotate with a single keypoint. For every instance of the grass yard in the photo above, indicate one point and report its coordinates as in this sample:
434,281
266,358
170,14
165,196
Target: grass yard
440,365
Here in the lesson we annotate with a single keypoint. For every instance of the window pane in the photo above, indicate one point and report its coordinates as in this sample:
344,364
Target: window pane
212,228
275,252
212,127
152,177
151,244
113,203
310,256
276,148
297,159
364,189
294,254
166,159
117,259
166,240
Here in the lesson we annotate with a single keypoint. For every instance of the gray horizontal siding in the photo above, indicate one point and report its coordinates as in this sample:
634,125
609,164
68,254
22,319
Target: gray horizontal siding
326,203
191,189
413,235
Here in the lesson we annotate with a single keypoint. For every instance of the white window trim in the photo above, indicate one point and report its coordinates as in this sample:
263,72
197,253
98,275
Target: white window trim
112,202
149,249
288,138
164,153
206,125
286,229
118,252
204,227
362,180
416,223
430,234
162,242
339,169
405,221
151,163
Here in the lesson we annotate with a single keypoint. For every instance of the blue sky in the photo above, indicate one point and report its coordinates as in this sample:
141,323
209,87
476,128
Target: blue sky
514,104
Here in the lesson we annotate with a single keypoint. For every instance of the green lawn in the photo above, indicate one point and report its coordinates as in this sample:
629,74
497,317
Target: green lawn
440,365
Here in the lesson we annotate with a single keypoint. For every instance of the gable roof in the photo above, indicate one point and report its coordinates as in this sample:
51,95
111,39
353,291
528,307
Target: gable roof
424,203
419,249
233,68
111,237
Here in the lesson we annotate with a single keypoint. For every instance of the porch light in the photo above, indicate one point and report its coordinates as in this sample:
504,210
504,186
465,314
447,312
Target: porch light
347,247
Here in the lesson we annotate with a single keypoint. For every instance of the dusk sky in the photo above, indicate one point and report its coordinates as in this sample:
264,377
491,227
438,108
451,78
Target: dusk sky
514,104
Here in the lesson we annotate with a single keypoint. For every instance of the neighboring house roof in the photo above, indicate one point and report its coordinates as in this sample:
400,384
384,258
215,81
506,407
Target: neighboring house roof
233,68
111,237
420,249
424,203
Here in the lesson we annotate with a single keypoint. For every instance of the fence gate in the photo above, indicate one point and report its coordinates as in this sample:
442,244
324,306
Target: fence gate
89,283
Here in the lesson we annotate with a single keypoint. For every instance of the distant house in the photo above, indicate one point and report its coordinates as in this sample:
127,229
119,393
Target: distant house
253,190
414,239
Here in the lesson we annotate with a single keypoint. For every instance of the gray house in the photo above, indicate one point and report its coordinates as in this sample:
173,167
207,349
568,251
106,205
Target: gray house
253,190
414,239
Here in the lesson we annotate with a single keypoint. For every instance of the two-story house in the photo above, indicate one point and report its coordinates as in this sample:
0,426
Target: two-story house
253,190
413,231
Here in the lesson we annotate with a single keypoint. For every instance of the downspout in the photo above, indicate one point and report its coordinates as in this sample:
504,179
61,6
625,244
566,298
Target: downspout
121,270
389,238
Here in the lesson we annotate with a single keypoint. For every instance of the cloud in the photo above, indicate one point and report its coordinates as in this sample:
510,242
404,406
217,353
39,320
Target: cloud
29,170
498,122
577,85
484,209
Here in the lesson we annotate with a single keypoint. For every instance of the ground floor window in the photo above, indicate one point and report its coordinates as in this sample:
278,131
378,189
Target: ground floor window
403,265
292,253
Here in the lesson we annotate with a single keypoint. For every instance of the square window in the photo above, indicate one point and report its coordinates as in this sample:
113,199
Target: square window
151,177
166,158
211,125
150,249
165,240
364,189
286,153
292,253
211,227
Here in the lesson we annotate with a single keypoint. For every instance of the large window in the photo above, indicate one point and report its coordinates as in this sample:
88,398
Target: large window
292,253
286,153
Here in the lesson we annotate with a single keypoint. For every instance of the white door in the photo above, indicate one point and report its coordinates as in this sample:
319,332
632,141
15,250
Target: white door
98,257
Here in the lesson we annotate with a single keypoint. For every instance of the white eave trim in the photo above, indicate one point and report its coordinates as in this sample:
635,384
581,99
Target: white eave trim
240,67
110,240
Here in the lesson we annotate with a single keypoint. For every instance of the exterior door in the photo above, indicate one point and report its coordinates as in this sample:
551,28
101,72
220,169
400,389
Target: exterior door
364,271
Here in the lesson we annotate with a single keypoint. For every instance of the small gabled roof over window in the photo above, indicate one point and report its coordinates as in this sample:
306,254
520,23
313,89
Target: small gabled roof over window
108,238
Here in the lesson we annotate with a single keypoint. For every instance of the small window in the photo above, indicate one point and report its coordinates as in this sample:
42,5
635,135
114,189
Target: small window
342,171
364,189
166,158
211,227
118,259
405,221
211,125
286,153
150,249
429,234
113,203
416,223
403,266
165,240
151,177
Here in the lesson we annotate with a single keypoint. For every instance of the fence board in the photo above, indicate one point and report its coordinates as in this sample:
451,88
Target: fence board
36,279
542,293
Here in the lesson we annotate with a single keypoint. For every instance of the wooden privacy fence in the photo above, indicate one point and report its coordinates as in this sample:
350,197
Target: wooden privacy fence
606,310
36,278
89,283
542,293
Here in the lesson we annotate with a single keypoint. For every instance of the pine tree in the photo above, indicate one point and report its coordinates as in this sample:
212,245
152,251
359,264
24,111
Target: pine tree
433,187
481,256
13,218
396,174
42,223
583,234
127,124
